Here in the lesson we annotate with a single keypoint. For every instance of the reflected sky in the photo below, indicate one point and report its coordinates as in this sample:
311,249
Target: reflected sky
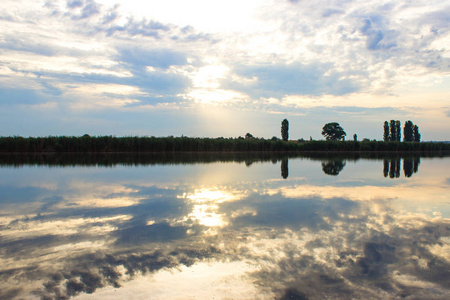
292,228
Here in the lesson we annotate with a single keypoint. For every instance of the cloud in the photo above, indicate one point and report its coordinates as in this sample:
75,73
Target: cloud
376,37
139,58
87,62
88,8
365,269
330,12
278,80
75,3
145,28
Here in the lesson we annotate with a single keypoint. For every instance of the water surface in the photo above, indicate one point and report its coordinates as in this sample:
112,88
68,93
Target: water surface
233,227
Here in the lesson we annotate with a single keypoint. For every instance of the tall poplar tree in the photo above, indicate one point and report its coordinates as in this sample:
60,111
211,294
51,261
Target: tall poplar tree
285,130
393,135
398,131
408,131
386,132
416,133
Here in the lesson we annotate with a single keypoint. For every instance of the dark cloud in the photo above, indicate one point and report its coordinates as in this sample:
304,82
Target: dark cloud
91,272
110,15
376,36
90,9
80,10
75,3
146,28
27,246
365,269
87,9
140,57
293,79
160,85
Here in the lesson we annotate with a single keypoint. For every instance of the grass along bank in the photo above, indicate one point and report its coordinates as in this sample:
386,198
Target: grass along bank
105,144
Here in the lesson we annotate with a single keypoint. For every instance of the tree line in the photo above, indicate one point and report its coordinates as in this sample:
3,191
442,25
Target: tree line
111,144
334,141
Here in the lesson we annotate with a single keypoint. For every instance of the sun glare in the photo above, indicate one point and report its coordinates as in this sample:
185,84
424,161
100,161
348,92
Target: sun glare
201,196
205,209
213,96
209,76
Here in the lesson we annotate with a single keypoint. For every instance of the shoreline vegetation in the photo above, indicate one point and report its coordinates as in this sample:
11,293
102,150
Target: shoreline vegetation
136,144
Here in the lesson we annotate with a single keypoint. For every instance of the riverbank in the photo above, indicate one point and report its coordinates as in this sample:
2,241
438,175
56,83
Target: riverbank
110,144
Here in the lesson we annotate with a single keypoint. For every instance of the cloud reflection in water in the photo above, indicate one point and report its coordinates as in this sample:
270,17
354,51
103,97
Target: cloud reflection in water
309,236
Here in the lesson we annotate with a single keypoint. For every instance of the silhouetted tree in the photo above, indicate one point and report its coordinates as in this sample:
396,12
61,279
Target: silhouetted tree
333,167
395,134
333,131
355,137
248,136
392,127
285,130
284,168
386,132
408,131
398,130
416,133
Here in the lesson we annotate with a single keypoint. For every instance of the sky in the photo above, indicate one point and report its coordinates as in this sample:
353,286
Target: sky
223,68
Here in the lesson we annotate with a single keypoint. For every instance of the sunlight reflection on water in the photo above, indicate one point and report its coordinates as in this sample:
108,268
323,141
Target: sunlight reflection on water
322,228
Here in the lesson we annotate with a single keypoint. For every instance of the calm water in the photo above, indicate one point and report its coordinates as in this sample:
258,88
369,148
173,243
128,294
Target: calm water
231,228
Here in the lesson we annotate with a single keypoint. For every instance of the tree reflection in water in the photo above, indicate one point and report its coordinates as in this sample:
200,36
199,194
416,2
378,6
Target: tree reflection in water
411,166
391,167
284,168
333,167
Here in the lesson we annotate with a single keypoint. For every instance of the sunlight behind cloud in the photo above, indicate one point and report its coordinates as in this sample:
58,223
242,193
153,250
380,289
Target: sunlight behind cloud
214,96
209,76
